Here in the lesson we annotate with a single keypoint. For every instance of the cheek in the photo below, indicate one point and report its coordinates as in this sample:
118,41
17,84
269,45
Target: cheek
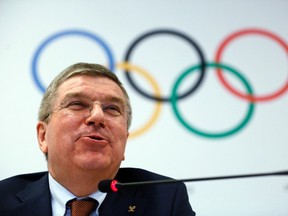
60,133
120,141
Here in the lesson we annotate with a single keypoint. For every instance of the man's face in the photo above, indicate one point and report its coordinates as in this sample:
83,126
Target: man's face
88,129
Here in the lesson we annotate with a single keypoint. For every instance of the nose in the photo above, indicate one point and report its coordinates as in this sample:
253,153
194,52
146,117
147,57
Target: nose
96,116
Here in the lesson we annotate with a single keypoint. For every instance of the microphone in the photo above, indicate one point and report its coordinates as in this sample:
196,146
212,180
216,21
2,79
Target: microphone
109,185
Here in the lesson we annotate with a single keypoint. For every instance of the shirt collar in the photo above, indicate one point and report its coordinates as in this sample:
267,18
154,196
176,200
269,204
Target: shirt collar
60,195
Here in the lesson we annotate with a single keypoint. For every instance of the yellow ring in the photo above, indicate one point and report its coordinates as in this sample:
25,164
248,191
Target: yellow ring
157,93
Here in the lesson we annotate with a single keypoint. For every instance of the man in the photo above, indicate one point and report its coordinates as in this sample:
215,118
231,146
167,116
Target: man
83,125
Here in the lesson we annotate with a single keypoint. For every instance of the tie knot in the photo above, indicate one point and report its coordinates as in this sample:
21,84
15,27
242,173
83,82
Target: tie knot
83,207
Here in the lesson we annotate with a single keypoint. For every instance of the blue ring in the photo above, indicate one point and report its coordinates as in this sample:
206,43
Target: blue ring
66,33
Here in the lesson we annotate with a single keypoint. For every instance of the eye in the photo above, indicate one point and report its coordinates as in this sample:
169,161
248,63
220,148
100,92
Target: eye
77,105
112,109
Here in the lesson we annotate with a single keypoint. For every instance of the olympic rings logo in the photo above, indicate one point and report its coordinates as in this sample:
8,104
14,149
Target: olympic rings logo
159,99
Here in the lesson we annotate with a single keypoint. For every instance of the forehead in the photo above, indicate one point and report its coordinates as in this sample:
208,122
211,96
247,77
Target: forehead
91,86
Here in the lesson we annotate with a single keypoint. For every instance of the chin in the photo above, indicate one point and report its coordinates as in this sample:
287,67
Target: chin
95,164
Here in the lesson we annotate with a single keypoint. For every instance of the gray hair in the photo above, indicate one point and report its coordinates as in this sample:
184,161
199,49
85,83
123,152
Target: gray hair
95,70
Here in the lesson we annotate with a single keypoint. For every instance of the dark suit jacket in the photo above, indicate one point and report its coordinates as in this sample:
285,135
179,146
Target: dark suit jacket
29,195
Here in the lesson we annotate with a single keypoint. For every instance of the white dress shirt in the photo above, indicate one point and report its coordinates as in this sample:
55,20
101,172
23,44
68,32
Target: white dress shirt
60,196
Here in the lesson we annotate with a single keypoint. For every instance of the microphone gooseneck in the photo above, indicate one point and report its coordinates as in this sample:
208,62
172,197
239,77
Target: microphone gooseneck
109,185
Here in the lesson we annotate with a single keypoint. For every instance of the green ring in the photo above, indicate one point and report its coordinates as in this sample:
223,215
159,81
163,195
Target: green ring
207,134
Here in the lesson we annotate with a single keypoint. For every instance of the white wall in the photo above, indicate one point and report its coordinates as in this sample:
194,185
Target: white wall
167,147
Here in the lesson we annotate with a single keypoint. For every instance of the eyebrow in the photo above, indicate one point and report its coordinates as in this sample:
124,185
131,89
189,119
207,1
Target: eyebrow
109,98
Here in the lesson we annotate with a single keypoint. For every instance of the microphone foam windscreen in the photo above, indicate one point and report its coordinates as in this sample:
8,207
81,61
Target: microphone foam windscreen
105,186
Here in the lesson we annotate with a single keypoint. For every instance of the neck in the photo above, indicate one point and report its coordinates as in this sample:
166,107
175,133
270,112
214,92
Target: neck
81,183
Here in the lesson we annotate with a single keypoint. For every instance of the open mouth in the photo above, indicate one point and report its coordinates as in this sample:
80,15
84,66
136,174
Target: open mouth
96,137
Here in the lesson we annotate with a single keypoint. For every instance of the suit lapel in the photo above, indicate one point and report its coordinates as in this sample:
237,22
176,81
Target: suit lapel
123,203
34,199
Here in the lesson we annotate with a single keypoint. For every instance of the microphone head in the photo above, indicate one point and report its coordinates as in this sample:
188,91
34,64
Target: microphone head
105,186
109,186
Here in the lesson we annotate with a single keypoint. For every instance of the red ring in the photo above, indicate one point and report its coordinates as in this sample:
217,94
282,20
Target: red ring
233,90
113,186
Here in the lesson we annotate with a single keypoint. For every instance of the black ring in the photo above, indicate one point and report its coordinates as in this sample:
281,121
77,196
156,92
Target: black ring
172,32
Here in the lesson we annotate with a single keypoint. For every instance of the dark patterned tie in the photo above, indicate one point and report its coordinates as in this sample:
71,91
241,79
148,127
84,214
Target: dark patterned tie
82,207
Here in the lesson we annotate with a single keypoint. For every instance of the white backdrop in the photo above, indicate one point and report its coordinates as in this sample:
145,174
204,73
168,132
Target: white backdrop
259,55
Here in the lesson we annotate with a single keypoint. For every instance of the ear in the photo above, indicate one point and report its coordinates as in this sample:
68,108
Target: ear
41,136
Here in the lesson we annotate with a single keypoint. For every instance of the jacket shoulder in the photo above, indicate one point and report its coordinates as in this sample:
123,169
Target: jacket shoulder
26,194
160,199
16,183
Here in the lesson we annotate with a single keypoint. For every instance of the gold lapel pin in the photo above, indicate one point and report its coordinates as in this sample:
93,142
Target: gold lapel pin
131,208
